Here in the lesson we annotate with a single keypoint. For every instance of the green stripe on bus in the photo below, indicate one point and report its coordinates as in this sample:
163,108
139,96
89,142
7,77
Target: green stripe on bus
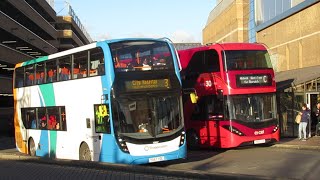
40,59
47,92
53,144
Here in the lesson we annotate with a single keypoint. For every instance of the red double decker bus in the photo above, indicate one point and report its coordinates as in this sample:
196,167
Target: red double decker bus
236,95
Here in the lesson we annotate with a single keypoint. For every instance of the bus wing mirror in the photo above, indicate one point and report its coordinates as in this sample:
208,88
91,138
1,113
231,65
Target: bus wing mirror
193,97
193,94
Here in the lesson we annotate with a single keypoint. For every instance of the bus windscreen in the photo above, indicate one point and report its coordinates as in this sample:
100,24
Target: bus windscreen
246,59
141,56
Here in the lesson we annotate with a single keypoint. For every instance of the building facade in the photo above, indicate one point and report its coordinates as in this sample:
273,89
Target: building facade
291,31
227,22
31,29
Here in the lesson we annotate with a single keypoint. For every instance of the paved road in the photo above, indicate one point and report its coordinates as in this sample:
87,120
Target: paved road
17,170
242,163
263,162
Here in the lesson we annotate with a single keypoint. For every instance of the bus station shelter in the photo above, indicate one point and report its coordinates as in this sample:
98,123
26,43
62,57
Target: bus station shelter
295,87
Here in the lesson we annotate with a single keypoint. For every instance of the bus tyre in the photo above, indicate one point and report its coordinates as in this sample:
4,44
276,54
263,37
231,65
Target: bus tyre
84,152
192,140
31,148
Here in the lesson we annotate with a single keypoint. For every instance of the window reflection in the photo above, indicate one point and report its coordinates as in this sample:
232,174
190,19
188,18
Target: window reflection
251,108
266,10
141,56
149,115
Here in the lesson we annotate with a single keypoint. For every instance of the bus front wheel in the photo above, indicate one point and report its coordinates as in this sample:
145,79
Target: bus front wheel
32,148
84,152
192,140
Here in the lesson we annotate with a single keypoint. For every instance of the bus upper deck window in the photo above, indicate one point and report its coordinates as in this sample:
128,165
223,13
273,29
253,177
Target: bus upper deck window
96,62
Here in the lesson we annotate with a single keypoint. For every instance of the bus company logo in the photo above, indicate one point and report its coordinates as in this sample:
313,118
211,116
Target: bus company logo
147,148
259,132
265,79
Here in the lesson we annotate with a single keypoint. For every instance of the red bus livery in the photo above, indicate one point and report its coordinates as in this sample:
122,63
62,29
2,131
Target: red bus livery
236,95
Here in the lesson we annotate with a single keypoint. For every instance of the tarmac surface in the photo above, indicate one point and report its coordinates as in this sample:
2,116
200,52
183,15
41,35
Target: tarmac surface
8,152
312,143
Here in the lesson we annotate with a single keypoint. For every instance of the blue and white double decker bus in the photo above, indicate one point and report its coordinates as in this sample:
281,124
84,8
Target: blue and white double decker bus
116,101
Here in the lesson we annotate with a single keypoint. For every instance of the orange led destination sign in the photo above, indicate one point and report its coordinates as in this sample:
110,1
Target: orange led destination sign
155,84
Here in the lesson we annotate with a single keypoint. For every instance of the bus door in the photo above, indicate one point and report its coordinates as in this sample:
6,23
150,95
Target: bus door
311,101
28,118
208,111
209,132
25,136
101,131
215,114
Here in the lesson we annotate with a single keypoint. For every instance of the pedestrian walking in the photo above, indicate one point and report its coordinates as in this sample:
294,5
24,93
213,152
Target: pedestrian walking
317,113
305,115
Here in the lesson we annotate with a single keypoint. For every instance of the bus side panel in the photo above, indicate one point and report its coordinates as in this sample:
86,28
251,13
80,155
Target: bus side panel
208,133
43,145
25,97
47,97
213,133
78,97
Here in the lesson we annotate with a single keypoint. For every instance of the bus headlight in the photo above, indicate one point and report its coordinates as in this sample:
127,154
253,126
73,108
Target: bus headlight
233,130
123,145
182,138
275,128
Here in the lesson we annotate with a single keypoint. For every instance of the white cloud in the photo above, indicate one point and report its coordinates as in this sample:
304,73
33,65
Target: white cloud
104,36
145,35
180,36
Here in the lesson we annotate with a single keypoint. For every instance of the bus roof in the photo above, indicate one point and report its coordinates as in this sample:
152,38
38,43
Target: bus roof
241,46
186,55
82,48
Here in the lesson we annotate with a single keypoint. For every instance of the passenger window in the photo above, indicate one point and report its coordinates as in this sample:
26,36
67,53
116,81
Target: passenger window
64,68
80,66
40,73
211,61
96,62
42,118
214,108
51,69
29,75
102,121
208,107
63,122
29,118
19,78
53,118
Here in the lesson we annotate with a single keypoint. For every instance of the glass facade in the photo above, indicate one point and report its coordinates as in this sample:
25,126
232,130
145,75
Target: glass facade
251,23
267,10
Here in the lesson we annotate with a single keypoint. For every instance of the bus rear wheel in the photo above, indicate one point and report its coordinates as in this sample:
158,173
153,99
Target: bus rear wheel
84,152
31,148
192,140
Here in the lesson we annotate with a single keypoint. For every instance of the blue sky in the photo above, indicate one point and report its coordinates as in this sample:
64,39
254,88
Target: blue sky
179,20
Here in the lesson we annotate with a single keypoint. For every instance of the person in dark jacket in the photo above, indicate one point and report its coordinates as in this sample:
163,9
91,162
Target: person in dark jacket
317,113
305,115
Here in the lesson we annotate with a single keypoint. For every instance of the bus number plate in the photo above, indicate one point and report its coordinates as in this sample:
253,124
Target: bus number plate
156,159
260,141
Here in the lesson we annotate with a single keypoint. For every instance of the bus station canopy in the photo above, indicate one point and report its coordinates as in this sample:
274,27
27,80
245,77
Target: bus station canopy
286,79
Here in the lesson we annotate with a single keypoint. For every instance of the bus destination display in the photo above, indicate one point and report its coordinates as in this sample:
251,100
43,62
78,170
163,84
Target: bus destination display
154,84
253,80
